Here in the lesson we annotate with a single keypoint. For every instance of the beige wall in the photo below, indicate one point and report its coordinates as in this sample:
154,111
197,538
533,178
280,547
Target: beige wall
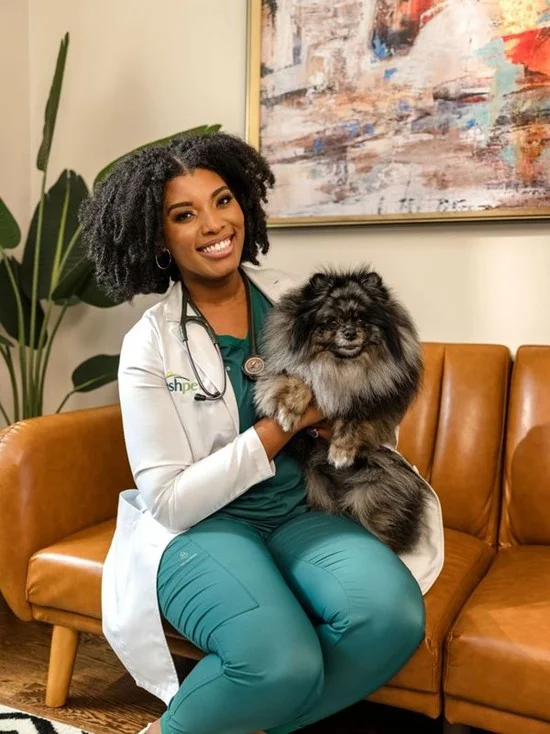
14,124
137,71
14,116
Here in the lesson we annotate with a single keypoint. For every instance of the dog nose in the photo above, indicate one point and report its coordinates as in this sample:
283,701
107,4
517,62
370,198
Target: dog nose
350,332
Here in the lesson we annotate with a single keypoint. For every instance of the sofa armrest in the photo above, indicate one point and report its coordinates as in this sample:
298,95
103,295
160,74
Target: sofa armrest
58,474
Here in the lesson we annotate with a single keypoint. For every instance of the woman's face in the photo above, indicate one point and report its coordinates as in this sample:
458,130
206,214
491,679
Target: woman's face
203,225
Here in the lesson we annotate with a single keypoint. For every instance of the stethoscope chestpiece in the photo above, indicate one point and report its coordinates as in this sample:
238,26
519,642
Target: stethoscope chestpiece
253,365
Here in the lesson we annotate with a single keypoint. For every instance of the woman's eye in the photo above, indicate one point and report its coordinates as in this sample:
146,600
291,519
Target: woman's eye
224,200
183,216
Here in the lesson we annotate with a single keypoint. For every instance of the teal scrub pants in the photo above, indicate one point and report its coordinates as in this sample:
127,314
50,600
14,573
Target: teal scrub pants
297,624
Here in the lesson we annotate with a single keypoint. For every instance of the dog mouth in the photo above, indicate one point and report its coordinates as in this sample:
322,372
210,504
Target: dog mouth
347,351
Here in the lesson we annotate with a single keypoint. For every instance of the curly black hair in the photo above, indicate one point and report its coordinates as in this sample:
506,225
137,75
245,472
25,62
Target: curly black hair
122,218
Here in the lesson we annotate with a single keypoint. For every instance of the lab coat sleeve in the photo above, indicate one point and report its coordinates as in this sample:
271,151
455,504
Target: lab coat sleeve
178,491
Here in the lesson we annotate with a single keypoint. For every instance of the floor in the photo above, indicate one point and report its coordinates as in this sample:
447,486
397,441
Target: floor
104,698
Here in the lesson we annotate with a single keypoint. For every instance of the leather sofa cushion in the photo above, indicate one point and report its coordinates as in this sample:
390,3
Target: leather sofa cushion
453,432
499,650
466,561
525,506
67,575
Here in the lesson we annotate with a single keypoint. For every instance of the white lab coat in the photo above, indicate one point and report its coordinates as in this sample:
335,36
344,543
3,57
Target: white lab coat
188,460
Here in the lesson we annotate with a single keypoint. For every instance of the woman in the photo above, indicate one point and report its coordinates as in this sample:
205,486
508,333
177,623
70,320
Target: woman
300,614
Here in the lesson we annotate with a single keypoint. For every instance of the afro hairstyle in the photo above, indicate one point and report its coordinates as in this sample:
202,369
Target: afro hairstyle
122,218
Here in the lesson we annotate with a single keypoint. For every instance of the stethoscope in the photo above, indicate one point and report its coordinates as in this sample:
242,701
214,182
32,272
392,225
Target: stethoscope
253,365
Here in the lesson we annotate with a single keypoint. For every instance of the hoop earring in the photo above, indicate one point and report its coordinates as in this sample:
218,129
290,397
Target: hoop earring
163,267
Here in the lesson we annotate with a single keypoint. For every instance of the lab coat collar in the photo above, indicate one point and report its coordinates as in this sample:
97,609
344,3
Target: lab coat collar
272,283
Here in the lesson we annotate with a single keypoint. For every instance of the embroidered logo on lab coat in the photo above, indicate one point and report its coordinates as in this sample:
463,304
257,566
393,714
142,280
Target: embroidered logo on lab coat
180,383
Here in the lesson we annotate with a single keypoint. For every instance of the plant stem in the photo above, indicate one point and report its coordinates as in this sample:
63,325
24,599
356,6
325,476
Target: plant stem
54,278
6,354
20,335
34,298
49,349
70,247
60,237
6,418
76,389
40,351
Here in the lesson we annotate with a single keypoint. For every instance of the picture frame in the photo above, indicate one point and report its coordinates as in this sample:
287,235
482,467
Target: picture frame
408,129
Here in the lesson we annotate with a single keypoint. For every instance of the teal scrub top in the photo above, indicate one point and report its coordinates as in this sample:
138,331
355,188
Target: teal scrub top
282,496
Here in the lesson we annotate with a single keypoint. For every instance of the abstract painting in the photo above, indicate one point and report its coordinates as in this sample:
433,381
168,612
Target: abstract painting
383,110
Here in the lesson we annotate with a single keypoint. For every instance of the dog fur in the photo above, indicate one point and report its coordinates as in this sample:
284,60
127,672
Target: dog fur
343,341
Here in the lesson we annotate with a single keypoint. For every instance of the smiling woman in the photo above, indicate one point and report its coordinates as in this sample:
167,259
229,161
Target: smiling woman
180,191
218,538
203,225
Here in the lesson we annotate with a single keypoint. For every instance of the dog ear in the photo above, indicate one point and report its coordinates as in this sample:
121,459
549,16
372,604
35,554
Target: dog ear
320,283
371,279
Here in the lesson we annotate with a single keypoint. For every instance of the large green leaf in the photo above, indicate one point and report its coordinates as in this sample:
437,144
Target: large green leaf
52,106
93,294
201,130
80,283
73,282
95,372
8,304
71,184
10,234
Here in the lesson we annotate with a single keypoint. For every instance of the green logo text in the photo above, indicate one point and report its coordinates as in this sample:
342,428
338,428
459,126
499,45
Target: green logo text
179,383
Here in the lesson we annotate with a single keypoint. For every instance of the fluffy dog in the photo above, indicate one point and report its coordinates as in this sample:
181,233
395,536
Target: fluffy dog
343,341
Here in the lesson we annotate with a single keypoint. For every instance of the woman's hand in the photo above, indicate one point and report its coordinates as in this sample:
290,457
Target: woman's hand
316,424
311,417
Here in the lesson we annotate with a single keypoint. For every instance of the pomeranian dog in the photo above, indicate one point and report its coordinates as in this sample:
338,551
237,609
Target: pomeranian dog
344,342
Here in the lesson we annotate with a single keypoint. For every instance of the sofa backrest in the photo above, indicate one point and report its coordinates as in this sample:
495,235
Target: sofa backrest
454,432
526,503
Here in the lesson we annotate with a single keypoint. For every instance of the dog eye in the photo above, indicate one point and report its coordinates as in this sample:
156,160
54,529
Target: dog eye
332,323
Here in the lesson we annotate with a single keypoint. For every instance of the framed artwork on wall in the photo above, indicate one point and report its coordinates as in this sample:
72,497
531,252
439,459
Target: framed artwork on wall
391,110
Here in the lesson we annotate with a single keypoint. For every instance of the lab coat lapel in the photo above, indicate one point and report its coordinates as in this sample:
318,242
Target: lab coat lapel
209,365
203,352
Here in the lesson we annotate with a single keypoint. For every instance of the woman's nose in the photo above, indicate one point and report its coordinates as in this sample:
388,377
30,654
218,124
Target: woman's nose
210,222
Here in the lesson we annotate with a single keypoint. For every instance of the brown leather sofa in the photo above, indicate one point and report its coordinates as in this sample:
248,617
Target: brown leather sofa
488,614
498,654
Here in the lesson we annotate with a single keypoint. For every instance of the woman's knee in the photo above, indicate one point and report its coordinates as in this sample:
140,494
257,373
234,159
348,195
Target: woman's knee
393,620
404,617
281,659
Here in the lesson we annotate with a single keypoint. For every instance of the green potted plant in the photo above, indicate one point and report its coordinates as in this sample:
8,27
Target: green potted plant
52,276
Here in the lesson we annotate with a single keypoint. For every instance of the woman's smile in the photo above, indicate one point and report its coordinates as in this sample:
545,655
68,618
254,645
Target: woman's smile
217,249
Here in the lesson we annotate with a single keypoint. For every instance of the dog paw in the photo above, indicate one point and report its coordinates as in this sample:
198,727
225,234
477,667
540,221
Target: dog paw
287,418
266,395
339,457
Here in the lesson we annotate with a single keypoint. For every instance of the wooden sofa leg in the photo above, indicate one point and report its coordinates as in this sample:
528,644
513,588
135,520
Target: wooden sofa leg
62,656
